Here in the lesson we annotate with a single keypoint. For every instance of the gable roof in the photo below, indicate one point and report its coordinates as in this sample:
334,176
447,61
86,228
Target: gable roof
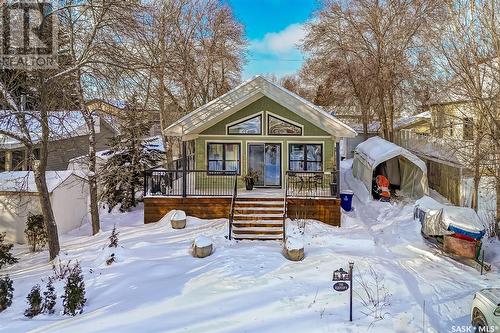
24,181
248,92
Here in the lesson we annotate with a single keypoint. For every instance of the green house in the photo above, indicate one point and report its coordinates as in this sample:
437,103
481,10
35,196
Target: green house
288,144
259,126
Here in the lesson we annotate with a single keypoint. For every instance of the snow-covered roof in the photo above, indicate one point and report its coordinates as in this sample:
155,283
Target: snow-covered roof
24,181
373,127
62,124
407,121
154,142
376,150
247,93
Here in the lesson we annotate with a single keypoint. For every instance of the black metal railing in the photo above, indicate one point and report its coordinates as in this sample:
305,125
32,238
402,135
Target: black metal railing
189,183
233,201
306,184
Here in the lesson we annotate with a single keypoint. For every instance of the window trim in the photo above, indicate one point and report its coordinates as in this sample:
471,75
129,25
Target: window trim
242,120
224,143
305,156
270,114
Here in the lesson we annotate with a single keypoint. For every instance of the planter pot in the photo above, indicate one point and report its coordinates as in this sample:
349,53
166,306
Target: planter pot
249,185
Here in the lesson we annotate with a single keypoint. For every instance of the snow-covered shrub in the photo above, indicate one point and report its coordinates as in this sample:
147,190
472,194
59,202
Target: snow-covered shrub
113,238
35,232
373,294
111,259
113,243
49,298
6,293
5,256
74,292
61,270
34,299
129,156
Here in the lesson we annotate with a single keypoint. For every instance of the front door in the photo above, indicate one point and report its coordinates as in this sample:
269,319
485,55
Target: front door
265,159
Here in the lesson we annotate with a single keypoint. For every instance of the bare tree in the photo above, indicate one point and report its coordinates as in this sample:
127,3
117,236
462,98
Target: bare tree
27,104
470,50
370,50
188,52
92,31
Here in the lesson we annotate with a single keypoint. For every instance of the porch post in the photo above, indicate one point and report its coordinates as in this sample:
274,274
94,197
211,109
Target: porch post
337,165
184,168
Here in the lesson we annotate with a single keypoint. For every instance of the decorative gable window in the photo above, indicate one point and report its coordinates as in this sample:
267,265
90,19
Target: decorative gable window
277,126
248,126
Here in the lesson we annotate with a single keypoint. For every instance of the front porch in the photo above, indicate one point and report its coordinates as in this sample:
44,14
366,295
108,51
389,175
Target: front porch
212,195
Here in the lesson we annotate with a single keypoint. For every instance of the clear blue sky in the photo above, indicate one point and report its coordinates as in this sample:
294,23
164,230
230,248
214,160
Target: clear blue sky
273,27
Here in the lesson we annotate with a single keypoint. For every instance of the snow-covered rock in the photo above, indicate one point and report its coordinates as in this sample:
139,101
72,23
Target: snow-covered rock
202,247
294,249
178,220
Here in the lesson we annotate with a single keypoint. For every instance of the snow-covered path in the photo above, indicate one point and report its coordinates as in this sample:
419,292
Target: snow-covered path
157,286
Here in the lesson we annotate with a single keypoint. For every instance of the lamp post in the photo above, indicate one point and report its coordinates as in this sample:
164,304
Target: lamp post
351,265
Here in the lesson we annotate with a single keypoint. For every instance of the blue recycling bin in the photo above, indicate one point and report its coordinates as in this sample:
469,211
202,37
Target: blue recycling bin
346,200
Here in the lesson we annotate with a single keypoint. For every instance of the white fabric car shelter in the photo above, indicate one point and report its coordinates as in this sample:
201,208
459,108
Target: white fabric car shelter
402,168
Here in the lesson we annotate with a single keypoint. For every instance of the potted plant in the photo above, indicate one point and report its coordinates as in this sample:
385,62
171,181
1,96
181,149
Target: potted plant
250,178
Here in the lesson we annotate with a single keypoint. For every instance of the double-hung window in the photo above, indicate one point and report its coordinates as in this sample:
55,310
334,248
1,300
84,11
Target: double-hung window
223,156
305,157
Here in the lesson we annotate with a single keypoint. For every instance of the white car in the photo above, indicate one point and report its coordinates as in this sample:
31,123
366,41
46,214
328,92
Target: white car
485,314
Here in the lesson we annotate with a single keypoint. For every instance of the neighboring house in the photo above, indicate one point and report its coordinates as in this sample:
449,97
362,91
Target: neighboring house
19,199
443,137
259,127
69,139
80,163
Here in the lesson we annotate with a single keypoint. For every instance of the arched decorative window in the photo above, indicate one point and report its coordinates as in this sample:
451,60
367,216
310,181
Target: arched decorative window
249,126
277,126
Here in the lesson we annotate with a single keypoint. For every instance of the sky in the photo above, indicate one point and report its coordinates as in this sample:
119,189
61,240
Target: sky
273,28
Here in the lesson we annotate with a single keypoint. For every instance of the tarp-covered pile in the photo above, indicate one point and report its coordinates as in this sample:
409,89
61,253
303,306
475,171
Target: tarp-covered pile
439,220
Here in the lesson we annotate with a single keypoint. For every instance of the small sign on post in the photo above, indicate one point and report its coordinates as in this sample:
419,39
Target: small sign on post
339,277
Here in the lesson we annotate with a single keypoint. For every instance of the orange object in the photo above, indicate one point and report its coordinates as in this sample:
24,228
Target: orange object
383,186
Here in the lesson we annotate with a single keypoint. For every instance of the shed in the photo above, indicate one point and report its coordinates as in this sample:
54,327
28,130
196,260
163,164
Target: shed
69,195
405,171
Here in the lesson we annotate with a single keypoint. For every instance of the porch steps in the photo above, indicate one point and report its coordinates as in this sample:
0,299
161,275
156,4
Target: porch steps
258,218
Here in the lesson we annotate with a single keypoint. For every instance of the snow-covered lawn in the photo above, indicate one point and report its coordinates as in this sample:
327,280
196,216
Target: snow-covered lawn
157,286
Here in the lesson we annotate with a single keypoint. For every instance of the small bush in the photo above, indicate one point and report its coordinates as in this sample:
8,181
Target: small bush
113,239
6,293
5,256
35,302
74,292
111,259
61,271
35,232
49,298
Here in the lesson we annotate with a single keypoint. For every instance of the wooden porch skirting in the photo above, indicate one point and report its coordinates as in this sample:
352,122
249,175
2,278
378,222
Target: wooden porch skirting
326,210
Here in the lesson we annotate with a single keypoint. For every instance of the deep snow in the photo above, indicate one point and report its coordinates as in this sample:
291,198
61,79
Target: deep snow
157,286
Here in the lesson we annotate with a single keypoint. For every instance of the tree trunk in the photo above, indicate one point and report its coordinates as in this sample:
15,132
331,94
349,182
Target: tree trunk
498,204
92,176
41,184
48,215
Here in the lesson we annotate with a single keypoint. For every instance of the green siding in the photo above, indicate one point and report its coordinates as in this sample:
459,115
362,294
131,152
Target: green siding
311,134
266,104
